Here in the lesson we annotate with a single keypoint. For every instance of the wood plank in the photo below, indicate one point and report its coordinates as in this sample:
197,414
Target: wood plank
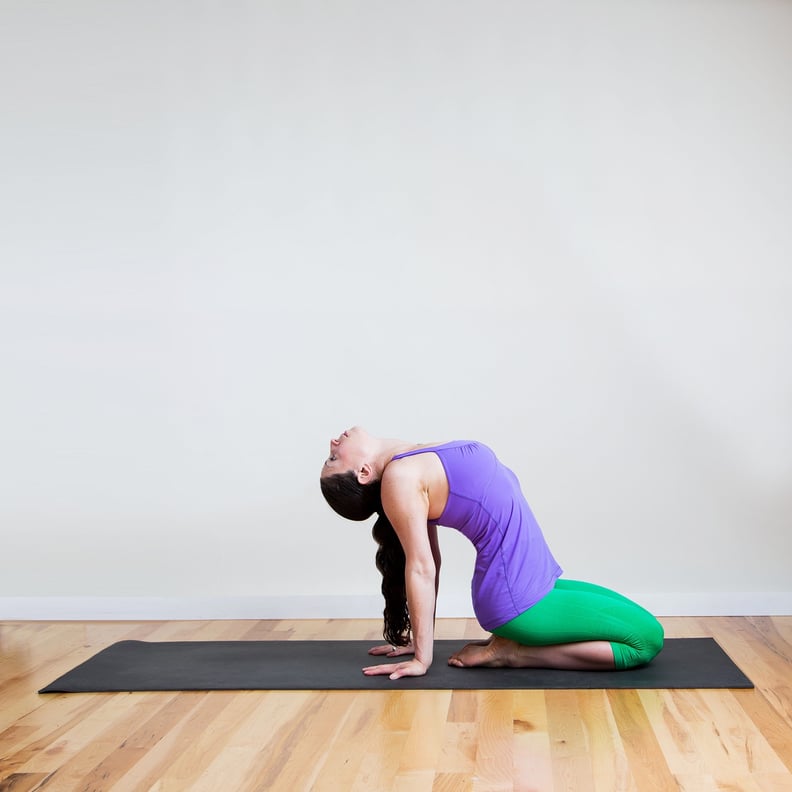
458,749
533,762
452,782
178,734
139,744
572,767
644,754
42,727
343,756
205,739
494,763
609,762
289,760
765,716
71,760
22,782
464,706
424,740
253,748
380,764
669,716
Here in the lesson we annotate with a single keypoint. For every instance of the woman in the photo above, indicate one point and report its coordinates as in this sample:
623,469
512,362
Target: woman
536,619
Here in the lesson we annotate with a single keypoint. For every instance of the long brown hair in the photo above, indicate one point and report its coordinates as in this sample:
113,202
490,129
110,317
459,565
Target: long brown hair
356,501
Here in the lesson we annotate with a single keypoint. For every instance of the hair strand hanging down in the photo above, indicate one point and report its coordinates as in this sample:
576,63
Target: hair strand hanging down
356,501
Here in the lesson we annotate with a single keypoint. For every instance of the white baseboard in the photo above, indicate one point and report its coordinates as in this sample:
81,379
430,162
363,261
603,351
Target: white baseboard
187,608
718,603
345,607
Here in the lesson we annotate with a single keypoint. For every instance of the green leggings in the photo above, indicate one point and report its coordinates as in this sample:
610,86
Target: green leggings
574,612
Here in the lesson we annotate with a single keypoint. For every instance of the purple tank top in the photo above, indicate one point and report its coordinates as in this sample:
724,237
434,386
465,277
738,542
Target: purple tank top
514,565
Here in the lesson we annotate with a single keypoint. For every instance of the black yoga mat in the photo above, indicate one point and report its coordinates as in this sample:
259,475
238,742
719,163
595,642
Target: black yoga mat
336,665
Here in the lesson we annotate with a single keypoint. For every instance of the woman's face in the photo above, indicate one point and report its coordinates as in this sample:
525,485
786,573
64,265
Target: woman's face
348,451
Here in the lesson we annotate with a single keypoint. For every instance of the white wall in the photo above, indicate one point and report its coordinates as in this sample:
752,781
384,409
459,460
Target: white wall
231,229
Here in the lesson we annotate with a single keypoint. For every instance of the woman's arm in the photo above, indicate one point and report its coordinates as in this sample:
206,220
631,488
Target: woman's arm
406,504
397,651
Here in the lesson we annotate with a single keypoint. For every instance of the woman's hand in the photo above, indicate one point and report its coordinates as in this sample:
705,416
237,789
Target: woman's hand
412,667
389,650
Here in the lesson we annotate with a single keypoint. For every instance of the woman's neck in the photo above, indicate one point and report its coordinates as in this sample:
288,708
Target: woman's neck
389,448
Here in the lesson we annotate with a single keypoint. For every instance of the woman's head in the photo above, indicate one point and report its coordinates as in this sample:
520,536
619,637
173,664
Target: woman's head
354,449
349,482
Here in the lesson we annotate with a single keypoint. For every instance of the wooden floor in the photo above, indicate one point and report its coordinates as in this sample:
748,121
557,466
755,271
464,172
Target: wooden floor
397,740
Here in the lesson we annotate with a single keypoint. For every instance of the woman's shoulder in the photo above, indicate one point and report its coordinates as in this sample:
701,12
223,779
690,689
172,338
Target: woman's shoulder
413,464
425,448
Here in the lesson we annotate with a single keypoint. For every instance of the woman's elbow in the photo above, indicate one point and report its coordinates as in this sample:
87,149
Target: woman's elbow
422,570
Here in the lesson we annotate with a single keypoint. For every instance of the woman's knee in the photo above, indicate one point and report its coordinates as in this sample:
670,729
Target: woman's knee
653,642
643,649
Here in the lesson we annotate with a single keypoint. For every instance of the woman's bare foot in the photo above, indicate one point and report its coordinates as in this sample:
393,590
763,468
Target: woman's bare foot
500,652
485,642
493,653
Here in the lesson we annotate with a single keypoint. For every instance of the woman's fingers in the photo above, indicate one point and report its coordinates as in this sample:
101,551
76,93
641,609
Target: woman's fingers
397,670
378,669
392,651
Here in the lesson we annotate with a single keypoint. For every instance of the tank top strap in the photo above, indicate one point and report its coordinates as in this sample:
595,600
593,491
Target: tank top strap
429,449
